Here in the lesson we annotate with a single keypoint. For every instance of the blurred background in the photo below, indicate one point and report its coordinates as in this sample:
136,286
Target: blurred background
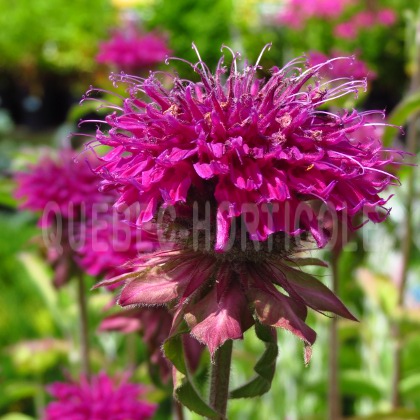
52,51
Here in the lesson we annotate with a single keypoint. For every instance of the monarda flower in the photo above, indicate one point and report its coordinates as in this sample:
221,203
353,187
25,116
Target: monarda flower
131,50
110,243
365,21
59,185
63,190
338,69
246,168
296,12
103,398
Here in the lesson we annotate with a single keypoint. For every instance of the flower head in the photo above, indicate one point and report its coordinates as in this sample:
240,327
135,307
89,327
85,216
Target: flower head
297,12
131,50
110,243
104,398
338,69
59,185
261,149
249,167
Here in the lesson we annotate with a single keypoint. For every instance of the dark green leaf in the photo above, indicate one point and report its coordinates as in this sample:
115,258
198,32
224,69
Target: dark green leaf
184,390
265,367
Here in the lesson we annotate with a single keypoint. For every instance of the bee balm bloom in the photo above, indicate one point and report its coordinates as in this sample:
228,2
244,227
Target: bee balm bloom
101,399
60,185
132,50
252,160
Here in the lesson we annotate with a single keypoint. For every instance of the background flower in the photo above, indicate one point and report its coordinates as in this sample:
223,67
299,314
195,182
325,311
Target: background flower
105,398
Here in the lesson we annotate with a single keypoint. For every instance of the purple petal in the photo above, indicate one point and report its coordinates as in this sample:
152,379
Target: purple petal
315,294
213,323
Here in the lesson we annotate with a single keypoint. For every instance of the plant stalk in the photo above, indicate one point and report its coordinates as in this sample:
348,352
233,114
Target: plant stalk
219,381
179,411
334,397
84,326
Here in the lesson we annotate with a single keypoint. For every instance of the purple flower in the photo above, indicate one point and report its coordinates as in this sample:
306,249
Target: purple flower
346,30
297,12
338,69
218,294
110,244
63,189
59,185
104,398
261,149
250,168
364,21
386,17
131,50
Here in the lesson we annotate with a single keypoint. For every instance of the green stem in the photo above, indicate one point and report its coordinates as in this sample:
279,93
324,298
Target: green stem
130,343
219,381
39,399
334,398
84,326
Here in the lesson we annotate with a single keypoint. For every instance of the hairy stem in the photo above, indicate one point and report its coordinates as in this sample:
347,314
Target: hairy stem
84,326
219,381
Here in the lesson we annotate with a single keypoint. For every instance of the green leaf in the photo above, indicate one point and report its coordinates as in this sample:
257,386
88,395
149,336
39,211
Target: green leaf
16,416
265,367
7,187
17,390
41,277
358,384
410,385
400,115
184,390
401,414
379,289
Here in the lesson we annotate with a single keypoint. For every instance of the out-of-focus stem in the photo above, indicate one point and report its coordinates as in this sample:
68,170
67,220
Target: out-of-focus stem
334,397
179,411
219,381
130,351
84,326
39,398
412,138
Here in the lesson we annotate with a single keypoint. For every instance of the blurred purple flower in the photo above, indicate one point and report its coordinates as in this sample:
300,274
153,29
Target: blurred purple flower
364,21
63,190
297,12
355,68
104,398
387,17
111,243
345,30
59,185
131,50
